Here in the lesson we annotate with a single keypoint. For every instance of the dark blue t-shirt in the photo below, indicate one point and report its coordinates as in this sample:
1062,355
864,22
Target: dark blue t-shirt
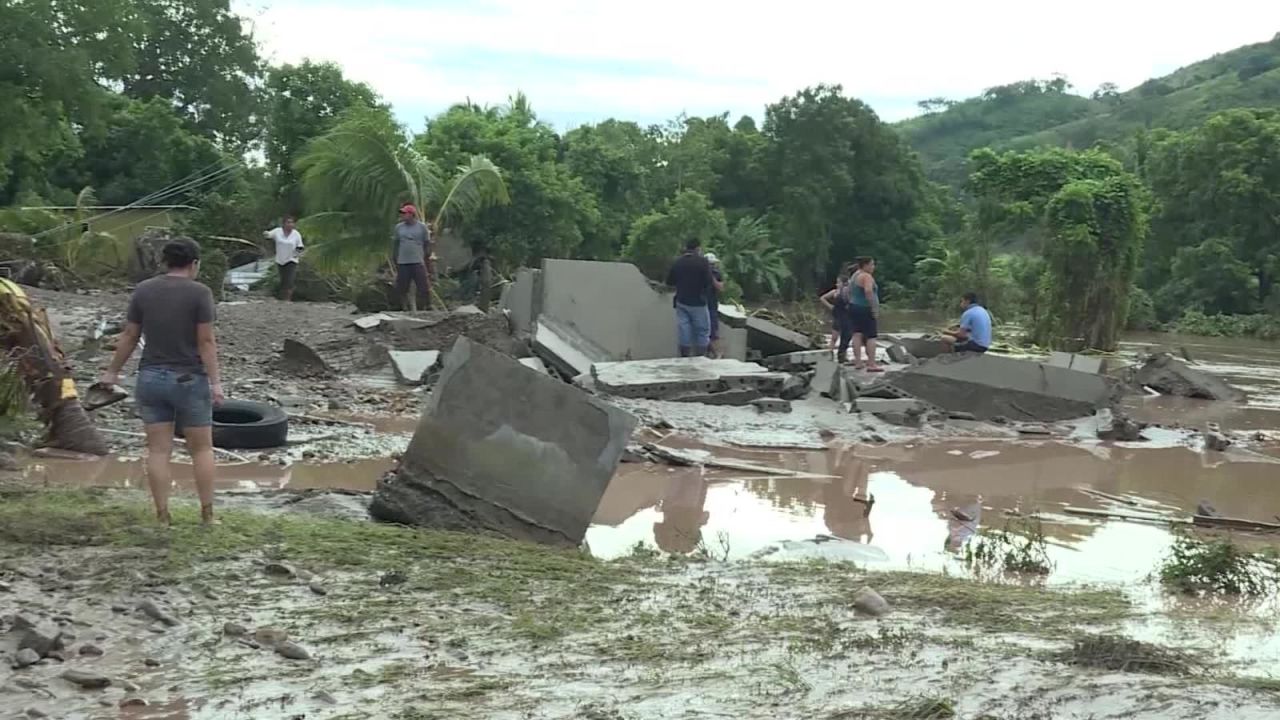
690,275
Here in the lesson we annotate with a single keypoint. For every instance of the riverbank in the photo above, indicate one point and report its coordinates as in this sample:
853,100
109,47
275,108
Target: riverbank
409,624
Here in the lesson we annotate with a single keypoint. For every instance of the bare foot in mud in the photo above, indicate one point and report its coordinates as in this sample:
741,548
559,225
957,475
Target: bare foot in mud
206,516
162,517
874,368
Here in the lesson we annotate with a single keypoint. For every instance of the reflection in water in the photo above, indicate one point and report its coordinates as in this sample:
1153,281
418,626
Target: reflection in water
923,495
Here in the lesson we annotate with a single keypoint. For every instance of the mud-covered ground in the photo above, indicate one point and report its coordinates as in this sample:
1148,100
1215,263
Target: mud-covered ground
701,592
397,623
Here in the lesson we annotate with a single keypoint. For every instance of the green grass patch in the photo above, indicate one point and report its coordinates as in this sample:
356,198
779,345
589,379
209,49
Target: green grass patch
1197,566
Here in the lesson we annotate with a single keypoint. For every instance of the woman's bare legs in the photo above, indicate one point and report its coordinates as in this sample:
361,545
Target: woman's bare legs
159,477
200,446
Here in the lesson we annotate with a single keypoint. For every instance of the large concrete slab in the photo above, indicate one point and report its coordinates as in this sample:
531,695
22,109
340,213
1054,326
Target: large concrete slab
611,305
772,339
990,386
732,315
413,367
501,449
673,377
1076,361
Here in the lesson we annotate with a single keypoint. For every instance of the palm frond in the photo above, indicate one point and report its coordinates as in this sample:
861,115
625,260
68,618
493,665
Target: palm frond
476,186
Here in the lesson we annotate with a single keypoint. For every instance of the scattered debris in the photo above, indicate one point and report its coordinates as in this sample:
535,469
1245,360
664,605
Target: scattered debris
1216,441
1121,654
672,377
488,421
292,651
772,339
900,354
155,612
87,679
794,387
1120,428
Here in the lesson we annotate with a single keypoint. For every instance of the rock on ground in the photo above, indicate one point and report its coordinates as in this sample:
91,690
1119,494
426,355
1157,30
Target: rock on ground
155,612
25,658
869,602
87,679
1169,376
292,651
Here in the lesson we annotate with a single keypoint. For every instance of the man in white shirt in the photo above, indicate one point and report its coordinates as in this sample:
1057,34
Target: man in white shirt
288,249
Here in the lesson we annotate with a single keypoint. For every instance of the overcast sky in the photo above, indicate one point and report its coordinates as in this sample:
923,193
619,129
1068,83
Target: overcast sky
581,61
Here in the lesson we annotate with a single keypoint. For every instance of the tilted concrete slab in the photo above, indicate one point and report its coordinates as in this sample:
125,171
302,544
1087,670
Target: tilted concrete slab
885,405
773,339
733,316
563,349
733,342
672,377
824,377
534,363
413,367
989,386
611,305
500,449
519,299
794,361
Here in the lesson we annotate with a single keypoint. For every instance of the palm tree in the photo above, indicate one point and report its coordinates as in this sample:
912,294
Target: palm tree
358,174
752,260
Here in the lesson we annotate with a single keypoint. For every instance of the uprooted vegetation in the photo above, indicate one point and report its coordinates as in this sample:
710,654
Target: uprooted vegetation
1195,566
1020,547
1121,654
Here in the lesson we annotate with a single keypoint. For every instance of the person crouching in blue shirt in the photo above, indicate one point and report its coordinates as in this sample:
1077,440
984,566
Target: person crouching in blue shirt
973,334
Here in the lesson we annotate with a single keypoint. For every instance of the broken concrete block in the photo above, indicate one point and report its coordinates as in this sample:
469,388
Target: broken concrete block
733,343
499,449
518,299
1170,376
738,396
792,362
369,322
534,363
881,405
795,387
563,349
773,339
988,386
899,355
824,377
772,405
412,367
468,310
669,377
611,306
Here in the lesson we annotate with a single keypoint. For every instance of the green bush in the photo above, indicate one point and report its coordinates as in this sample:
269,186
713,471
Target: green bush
1142,311
1261,326
1218,566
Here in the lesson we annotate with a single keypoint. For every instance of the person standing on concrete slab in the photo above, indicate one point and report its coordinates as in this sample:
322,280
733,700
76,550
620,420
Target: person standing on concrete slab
411,250
713,304
864,307
691,276
288,244
973,334
836,301
178,377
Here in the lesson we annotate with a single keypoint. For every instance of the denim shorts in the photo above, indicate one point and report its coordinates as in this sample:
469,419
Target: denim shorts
165,395
693,325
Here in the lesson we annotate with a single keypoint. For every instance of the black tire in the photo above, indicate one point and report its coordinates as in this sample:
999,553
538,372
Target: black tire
248,425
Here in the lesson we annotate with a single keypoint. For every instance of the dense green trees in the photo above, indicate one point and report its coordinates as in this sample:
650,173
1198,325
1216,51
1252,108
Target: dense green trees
117,99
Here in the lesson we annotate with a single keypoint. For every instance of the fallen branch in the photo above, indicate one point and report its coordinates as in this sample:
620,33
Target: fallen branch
127,433
329,421
677,457
1108,496
1134,517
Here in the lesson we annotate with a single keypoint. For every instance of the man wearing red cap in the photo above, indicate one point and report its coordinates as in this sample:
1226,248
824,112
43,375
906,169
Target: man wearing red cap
411,247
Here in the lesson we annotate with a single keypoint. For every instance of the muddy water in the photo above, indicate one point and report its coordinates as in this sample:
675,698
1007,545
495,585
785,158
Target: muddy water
916,488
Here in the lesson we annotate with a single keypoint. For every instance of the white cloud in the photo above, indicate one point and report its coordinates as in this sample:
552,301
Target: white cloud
655,59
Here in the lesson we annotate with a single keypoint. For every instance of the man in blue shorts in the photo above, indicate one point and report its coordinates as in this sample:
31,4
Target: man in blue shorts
973,334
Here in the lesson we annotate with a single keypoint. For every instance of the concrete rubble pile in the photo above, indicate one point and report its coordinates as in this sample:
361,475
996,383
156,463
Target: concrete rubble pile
502,449
1167,375
579,312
